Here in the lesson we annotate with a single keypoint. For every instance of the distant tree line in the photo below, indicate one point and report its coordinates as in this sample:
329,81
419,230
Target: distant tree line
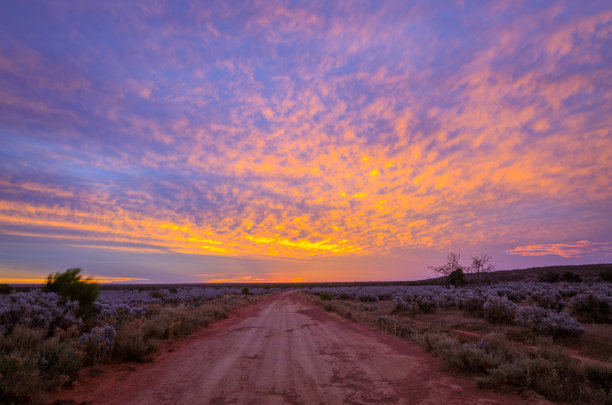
567,276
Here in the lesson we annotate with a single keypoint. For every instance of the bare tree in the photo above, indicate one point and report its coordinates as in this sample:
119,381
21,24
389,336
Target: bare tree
452,264
481,266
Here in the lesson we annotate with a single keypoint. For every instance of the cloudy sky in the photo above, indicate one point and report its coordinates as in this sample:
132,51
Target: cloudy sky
277,140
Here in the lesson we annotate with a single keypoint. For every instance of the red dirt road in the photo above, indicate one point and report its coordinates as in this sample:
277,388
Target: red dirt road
285,350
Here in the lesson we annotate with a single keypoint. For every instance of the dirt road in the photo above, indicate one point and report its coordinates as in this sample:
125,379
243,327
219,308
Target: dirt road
285,350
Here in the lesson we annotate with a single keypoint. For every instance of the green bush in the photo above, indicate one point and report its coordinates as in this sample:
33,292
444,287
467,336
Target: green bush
245,290
325,296
5,289
59,362
71,286
549,372
457,278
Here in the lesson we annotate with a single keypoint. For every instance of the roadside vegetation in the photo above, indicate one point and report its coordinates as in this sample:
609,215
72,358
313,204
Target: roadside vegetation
551,337
48,334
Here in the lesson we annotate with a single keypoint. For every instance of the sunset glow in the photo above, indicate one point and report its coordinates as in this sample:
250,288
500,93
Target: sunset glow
302,141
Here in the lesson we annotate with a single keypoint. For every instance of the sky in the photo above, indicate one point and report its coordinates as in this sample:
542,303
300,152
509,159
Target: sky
190,141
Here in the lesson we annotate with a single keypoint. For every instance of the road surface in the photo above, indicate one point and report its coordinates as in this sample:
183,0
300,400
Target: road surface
286,350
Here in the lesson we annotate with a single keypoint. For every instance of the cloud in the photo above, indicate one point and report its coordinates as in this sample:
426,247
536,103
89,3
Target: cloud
568,250
322,130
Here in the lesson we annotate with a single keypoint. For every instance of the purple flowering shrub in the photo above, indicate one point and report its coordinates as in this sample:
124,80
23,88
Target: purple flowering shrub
548,322
546,298
592,307
498,310
98,343
472,303
38,310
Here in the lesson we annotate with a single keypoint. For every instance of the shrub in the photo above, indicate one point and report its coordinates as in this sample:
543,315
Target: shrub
157,294
22,339
457,278
98,343
130,343
384,322
402,305
36,310
499,310
368,298
5,289
592,307
476,357
558,379
550,277
325,296
548,322
19,382
600,375
245,291
70,286
426,303
59,362
570,277
606,276
547,298
472,304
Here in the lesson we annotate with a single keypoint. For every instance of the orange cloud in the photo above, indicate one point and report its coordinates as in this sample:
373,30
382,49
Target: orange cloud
567,250
43,280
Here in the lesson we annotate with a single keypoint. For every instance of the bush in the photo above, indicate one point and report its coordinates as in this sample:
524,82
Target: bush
475,357
556,377
547,298
457,278
402,305
59,362
592,307
499,310
5,289
550,277
29,364
472,304
21,339
19,382
426,303
548,322
130,343
600,375
245,291
36,310
325,296
70,286
98,343
570,277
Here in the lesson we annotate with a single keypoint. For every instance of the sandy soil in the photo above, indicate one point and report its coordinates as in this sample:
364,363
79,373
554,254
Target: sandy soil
285,350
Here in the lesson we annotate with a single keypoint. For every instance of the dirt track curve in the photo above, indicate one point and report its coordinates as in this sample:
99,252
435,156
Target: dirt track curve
285,350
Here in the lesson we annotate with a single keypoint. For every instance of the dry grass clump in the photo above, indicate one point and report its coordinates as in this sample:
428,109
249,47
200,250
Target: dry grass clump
138,338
